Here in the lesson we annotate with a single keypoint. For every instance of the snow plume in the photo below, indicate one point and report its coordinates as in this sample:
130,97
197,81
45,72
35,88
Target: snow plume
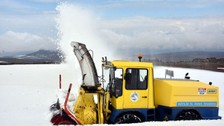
75,23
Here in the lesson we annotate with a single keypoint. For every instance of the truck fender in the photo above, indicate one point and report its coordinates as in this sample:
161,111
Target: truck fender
188,114
138,115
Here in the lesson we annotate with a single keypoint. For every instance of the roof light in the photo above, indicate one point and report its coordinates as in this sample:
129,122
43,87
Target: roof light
140,57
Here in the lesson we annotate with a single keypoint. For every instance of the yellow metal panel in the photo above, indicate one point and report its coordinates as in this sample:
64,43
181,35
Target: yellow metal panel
107,111
85,108
172,92
162,93
135,99
100,108
151,103
125,64
117,102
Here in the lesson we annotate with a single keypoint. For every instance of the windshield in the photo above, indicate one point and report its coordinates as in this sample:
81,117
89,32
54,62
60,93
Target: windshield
115,79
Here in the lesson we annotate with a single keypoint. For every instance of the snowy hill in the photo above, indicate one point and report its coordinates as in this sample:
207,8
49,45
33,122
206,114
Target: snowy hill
38,57
187,56
43,54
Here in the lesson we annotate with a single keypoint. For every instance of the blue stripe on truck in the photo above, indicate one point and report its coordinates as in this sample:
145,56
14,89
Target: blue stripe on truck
195,104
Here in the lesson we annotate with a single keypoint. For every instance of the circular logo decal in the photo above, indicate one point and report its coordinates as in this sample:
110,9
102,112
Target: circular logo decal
134,96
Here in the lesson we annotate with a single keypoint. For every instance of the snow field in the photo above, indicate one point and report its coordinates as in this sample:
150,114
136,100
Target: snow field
27,91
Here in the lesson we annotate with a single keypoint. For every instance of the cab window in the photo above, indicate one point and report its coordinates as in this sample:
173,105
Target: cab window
136,79
116,80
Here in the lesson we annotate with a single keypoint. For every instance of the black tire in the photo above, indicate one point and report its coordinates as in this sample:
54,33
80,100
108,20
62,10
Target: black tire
128,118
188,115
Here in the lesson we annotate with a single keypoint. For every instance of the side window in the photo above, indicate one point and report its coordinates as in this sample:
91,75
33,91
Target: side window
118,73
116,82
136,79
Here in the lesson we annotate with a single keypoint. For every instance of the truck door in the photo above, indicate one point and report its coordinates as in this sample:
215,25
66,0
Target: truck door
136,88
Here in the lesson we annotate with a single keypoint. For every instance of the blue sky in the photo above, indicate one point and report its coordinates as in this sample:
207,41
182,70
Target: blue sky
156,8
35,20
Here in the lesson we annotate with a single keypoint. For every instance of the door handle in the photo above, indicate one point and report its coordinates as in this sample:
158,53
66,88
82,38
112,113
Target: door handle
144,96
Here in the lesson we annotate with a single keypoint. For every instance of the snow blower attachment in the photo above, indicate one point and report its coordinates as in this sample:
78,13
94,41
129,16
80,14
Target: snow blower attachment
133,95
62,114
84,110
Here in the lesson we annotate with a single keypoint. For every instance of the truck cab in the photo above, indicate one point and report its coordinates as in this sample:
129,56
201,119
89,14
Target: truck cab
131,90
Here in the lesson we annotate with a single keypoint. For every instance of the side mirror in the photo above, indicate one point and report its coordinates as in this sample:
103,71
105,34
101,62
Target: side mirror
186,76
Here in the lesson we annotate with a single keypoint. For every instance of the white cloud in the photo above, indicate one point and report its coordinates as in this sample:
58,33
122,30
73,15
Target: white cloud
152,33
21,16
25,27
14,41
42,24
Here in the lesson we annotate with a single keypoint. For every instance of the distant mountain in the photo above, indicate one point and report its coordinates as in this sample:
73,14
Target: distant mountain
197,60
38,57
13,54
184,56
43,54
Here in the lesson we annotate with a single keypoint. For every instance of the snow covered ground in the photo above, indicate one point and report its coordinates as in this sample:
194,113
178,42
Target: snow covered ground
27,91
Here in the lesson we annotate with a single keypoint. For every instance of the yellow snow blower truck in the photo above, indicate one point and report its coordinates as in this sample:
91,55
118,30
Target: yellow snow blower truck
133,95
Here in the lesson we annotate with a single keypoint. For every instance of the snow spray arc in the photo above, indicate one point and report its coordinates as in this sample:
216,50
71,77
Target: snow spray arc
77,24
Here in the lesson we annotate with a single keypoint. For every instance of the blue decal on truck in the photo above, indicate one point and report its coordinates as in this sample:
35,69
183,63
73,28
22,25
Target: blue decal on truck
207,104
